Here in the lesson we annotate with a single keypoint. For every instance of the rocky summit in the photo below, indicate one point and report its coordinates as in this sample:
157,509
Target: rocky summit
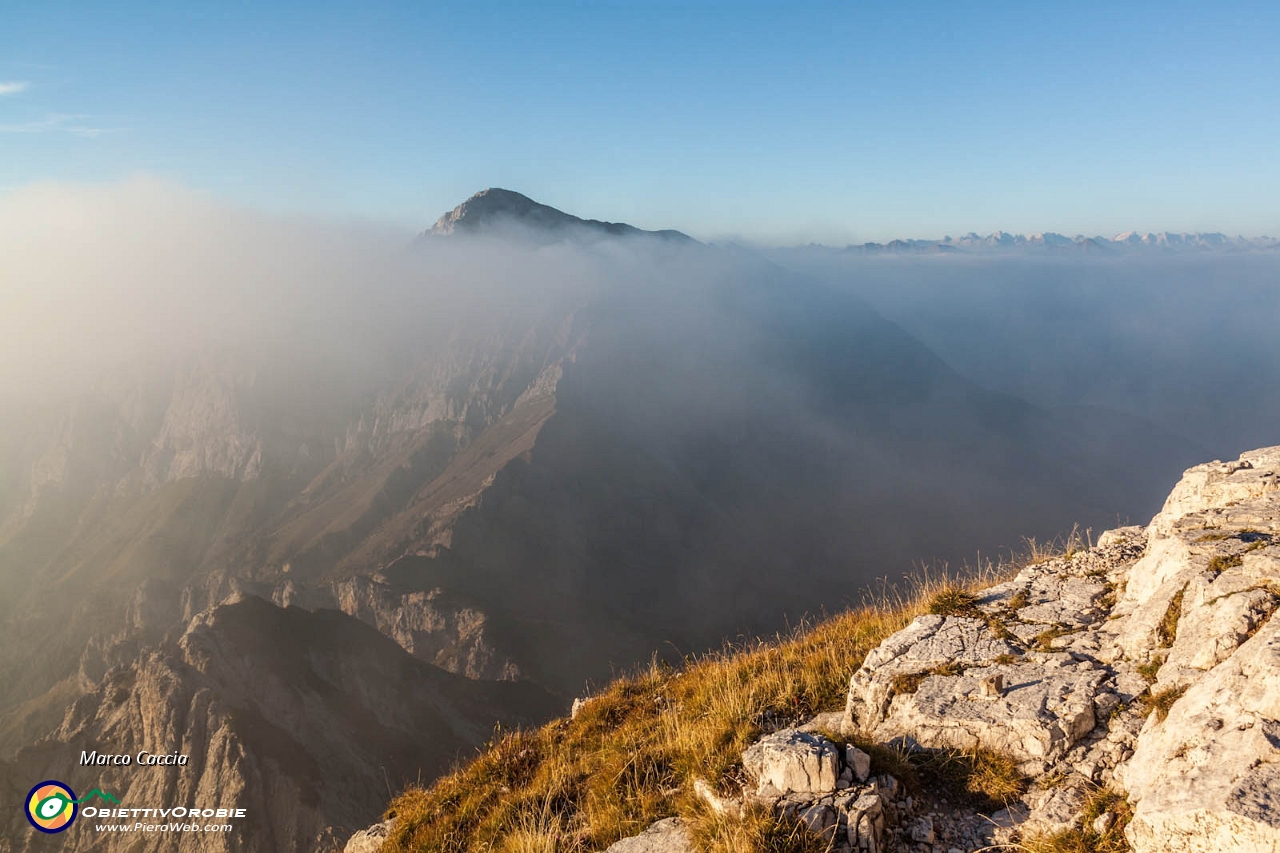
1132,686
1148,663
497,209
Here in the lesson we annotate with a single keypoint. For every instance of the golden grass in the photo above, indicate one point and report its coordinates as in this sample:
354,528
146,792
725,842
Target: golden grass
1167,630
953,600
1222,562
632,754
905,683
989,780
1085,839
1160,703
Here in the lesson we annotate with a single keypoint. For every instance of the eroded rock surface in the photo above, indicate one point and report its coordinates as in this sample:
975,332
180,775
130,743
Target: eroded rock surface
1148,663
1207,776
792,761
369,840
665,836
803,776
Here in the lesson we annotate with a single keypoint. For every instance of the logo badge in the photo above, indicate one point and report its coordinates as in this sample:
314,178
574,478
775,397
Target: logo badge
51,806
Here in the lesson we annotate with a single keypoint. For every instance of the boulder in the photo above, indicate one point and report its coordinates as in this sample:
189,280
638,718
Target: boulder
858,762
792,761
949,682
369,840
665,836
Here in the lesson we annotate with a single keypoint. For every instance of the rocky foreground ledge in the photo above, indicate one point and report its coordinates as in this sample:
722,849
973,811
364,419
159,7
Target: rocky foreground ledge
1147,666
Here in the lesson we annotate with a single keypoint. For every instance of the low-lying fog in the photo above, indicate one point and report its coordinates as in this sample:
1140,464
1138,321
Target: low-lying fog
735,438
1189,340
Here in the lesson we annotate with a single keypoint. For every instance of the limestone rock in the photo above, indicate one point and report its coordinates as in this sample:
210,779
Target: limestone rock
1209,774
1046,706
1057,808
922,830
915,688
805,778
1207,777
859,762
850,821
927,643
1186,603
792,761
865,823
717,803
665,836
369,840
1216,485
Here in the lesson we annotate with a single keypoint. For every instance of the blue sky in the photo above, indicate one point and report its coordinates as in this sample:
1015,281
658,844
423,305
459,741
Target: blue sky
776,122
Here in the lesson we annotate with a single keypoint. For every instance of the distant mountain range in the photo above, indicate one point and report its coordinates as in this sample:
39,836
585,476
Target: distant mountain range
1049,241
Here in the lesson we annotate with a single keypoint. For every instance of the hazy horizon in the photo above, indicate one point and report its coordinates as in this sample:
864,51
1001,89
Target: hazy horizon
830,124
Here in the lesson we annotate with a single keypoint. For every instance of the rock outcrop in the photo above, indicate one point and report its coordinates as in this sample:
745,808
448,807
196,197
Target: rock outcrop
1148,663
806,777
304,719
1205,771
793,762
665,836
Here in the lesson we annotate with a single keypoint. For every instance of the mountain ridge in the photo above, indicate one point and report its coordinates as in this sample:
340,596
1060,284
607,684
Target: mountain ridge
495,208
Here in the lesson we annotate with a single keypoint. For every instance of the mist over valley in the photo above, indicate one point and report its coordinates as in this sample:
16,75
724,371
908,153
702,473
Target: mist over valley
311,501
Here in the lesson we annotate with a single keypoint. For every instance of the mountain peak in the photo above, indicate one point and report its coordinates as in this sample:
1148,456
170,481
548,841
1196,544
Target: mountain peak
496,207
489,206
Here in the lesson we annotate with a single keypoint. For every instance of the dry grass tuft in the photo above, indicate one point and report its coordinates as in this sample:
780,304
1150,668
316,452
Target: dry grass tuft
632,754
1222,562
990,778
1085,839
1150,670
953,600
1160,703
905,683
1044,640
1167,630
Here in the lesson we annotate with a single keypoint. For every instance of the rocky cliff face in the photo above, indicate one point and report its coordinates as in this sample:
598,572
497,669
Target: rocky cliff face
302,719
1146,663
